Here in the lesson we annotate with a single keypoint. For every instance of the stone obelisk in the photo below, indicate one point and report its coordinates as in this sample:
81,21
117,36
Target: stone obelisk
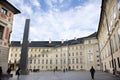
24,50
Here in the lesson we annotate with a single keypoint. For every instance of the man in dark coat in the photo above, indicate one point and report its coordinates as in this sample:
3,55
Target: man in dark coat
0,72
92,71
18,73
9,70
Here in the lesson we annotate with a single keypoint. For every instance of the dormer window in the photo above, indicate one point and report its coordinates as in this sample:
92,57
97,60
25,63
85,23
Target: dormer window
4,11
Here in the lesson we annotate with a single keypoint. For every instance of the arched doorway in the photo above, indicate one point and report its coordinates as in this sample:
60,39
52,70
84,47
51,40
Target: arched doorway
69,68
56,68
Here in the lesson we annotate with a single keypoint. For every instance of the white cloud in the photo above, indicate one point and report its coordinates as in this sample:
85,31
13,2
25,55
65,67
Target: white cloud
35,3
76,22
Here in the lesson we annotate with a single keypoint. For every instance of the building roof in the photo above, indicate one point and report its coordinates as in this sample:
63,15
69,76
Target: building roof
54,43
9,6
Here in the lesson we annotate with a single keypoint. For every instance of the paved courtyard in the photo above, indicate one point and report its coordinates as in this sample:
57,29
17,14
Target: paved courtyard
79,75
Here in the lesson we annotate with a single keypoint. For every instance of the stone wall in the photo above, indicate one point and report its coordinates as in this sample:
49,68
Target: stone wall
4,51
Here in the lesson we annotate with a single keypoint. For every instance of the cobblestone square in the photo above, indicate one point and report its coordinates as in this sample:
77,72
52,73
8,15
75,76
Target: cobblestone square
70,75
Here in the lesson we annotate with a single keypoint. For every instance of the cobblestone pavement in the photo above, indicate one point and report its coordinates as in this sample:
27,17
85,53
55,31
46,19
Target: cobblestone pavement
71,75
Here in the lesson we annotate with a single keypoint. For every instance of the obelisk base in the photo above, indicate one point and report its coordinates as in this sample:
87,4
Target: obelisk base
24,72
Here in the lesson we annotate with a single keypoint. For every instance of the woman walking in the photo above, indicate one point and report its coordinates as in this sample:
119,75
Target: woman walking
92,71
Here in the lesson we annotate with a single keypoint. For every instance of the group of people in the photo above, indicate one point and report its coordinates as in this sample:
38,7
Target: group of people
92,71
9,72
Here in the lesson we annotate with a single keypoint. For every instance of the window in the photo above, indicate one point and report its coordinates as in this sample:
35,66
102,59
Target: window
46,55
98,64
81,60
77,53
76,60
118,60
15,55
39,55
35,55
11,55
4,11
42,55
56,55
115,62
80,53
38,61
110,63
30,61
111,22
90,49
46,61
69,54
1,31
42,61
115,12
72,54
119,33
34,61
89,42
98,61
90,58
73,61
64,54
50,61
77,67
46,67
61,61
42,67
64,61
68,61
56,61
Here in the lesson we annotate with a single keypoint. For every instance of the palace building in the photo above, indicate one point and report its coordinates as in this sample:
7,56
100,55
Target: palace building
109,35
7,12
75,54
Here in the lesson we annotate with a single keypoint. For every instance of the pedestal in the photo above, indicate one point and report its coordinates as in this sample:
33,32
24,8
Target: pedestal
24,72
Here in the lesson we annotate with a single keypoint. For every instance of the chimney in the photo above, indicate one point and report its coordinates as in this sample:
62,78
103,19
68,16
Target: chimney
50,41
21,41
75,38
62,41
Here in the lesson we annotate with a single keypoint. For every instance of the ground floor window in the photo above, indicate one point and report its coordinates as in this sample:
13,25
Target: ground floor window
1,31
118,60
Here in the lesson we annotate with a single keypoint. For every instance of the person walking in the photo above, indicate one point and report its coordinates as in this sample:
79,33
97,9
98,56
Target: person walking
114,71
9,70
92,71
0,73
18,73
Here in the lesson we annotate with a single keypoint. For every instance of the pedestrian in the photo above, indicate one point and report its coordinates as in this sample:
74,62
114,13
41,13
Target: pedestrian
18,73
9,70
0,73
92,71
114,71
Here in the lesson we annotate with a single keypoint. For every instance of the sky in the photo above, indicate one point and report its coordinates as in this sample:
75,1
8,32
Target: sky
56,19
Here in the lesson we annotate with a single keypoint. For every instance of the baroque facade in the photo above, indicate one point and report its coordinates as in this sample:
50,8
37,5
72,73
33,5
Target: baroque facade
109,35
7,12
75,54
